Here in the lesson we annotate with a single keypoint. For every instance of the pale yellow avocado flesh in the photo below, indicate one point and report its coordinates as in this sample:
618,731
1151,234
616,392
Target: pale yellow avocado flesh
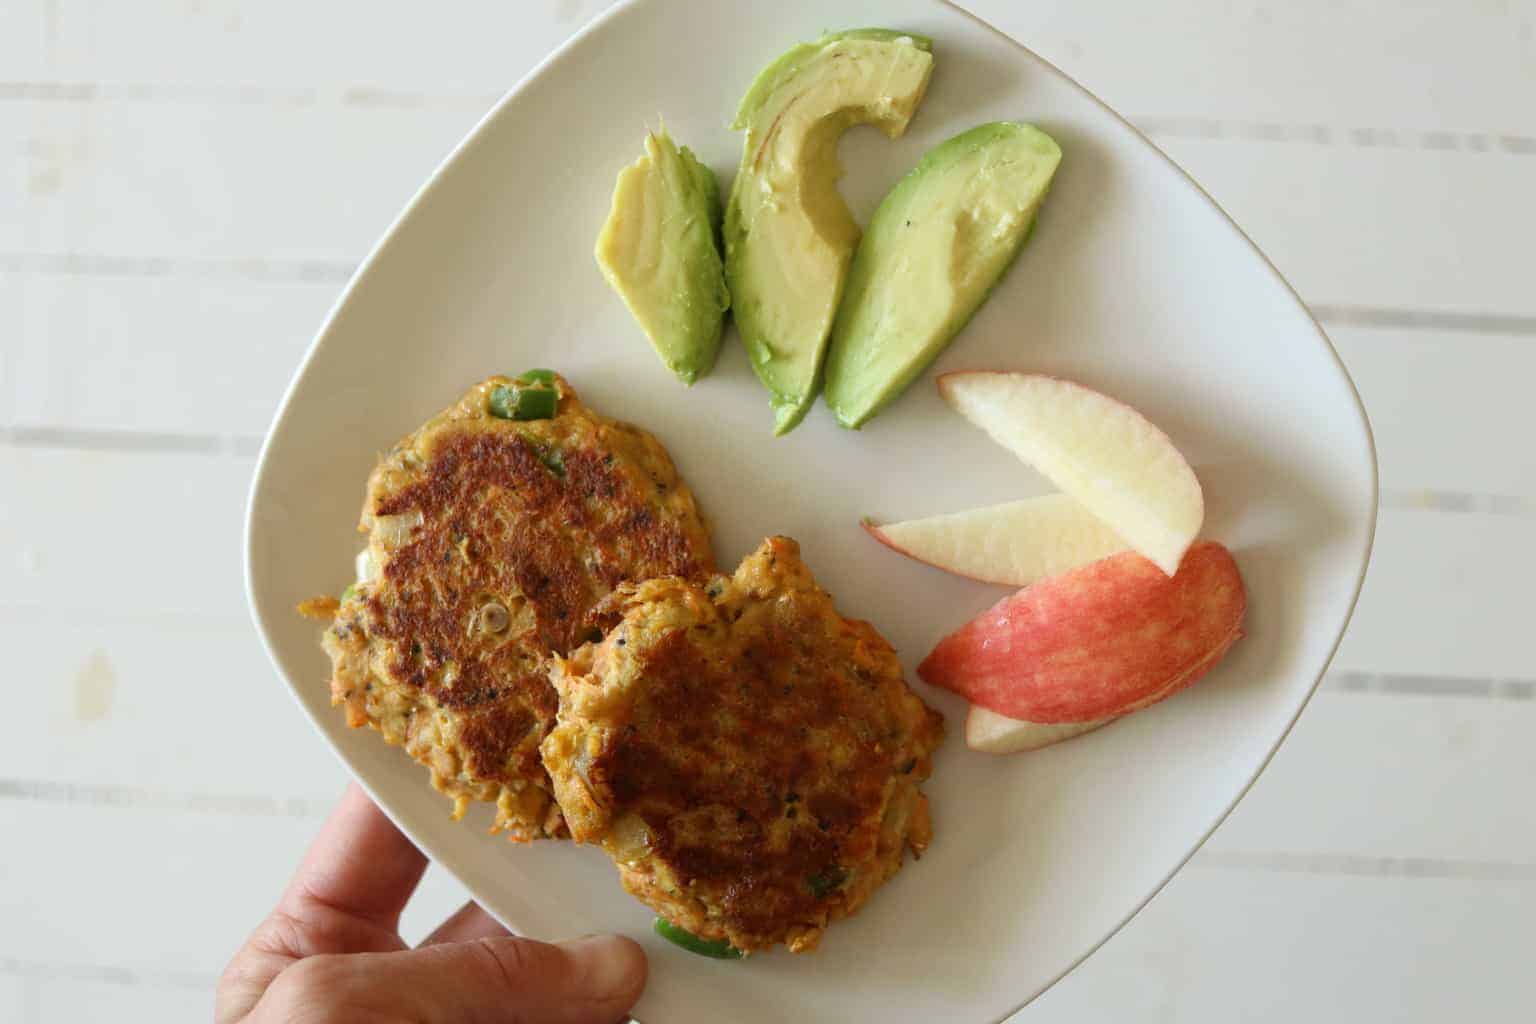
936,246
789,237
659,249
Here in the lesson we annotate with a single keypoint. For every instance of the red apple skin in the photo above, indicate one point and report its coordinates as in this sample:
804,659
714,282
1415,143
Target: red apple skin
1097,642
1030,736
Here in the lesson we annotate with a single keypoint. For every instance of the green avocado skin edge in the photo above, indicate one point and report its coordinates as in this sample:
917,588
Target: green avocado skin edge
936,247
784,307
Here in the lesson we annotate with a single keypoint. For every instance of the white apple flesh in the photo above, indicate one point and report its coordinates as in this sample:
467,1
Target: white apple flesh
1015,543
991,733
1098,450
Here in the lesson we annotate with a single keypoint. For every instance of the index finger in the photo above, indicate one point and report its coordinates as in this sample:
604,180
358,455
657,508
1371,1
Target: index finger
359,864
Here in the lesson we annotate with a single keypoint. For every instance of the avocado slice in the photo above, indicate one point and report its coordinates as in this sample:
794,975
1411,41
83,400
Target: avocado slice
937,244
789,237
660,250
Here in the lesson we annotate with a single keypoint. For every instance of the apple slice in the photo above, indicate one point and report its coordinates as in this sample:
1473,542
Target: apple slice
992,733
1096,642
1016,543
1102,452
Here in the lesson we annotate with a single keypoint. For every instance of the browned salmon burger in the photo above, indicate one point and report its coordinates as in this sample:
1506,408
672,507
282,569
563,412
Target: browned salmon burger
749,758
493,531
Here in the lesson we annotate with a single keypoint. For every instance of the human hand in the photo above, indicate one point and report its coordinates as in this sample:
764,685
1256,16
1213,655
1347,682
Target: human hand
331,950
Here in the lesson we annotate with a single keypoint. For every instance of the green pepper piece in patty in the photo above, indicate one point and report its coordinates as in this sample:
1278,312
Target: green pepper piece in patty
553,460
539,375
516,403
719,949
828,882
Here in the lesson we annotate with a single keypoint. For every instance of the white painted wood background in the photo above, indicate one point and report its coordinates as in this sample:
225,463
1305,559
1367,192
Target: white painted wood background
188,183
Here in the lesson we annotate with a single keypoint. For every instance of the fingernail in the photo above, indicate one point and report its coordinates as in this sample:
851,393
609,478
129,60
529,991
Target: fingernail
610,964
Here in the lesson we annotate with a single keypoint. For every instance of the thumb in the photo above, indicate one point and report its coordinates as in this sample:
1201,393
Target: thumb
502,979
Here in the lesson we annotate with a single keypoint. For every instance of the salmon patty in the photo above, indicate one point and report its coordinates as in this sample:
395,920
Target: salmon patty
749,758
490,540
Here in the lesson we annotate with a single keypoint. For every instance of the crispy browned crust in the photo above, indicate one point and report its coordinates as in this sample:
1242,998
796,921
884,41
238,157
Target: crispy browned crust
542,519
748,757
321,608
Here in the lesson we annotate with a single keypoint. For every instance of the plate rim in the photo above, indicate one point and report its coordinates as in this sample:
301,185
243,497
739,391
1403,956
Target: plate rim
472,136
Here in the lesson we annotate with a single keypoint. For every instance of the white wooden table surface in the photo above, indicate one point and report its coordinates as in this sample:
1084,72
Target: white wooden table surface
187,185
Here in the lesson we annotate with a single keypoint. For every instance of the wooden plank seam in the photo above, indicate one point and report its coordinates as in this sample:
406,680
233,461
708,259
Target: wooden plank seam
1314,133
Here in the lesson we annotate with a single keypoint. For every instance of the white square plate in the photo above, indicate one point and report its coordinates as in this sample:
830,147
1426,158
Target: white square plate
1134,283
